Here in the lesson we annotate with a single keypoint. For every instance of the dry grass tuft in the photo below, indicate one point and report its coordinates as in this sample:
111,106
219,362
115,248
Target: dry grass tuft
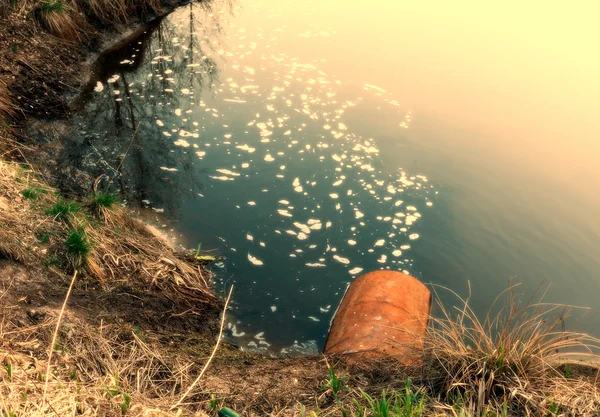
510,359
63,19
119,11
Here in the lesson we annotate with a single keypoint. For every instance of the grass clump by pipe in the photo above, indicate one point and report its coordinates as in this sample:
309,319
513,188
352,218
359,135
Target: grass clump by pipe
517,360
510,360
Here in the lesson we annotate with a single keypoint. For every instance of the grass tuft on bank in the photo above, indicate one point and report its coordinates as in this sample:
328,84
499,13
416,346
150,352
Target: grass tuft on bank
105,242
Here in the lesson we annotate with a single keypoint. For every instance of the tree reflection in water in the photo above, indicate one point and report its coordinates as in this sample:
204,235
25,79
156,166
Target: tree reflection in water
131,119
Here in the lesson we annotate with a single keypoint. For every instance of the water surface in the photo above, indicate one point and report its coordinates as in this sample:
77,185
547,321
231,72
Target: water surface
310,142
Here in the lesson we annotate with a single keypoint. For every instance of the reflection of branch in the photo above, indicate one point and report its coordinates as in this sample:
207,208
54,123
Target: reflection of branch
144,66
128,95
128,148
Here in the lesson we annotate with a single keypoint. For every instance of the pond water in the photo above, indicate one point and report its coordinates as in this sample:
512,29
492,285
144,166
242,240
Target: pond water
307,143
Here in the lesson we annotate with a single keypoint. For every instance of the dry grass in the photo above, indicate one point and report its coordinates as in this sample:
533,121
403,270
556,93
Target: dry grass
122,250
510,359
95,371
63,19
119,11
7,108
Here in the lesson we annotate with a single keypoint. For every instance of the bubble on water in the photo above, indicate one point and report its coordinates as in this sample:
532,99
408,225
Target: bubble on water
413,236
355,270
429,204
269,158
99,87
397,252
380,242
273,308
315,264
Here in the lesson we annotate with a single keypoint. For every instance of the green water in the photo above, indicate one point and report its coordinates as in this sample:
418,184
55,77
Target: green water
278,134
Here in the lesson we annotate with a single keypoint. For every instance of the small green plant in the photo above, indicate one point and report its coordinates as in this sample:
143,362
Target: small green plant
52,6
138,332
44,237
106,200
567,372
30,193
125,404
409,403
51,260
77,246
214,403
378,408
334,383
8,367
62,208
554,409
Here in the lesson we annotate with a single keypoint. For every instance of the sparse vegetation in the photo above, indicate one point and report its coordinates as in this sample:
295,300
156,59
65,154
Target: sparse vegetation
62,209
